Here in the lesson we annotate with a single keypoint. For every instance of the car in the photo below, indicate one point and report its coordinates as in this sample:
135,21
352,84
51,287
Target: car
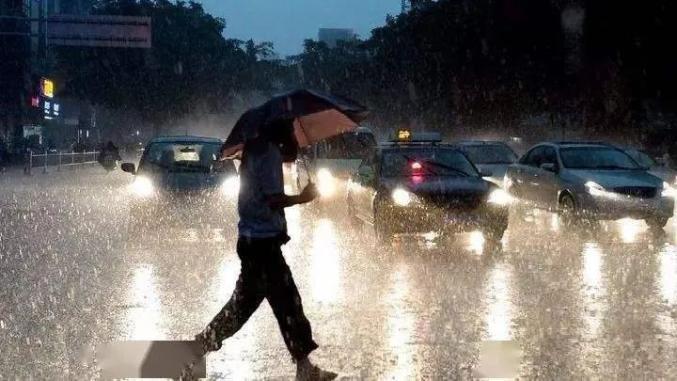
666,173
178,181
588,181
416,184
331,162
489,156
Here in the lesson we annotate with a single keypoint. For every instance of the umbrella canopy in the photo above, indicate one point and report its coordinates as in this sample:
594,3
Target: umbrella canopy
316,116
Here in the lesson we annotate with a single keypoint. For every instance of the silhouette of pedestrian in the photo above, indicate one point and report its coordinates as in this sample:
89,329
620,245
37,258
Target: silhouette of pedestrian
264,273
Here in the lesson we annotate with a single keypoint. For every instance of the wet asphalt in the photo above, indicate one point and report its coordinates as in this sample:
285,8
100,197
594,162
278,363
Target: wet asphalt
597,304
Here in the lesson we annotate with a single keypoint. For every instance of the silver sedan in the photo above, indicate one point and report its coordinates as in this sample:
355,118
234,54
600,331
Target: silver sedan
590,181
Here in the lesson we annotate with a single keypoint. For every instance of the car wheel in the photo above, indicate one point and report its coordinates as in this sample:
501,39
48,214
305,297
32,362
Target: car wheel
567,210
656,223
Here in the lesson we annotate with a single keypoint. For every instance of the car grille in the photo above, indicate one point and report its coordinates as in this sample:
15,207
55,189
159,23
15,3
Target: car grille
640,192
457,202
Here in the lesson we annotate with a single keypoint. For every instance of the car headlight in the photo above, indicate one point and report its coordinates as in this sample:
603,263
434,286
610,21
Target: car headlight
326,184
598,190
668,190
231,186
142,187
499,197
402,197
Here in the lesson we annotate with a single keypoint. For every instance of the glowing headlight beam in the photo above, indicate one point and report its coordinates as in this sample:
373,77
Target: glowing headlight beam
231,186
598,190
142,187
401,197
326,184
499,197
668,190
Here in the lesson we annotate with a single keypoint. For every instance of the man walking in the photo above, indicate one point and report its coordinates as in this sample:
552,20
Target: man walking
262,231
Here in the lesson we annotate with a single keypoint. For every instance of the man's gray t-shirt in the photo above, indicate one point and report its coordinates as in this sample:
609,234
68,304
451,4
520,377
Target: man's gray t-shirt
260,177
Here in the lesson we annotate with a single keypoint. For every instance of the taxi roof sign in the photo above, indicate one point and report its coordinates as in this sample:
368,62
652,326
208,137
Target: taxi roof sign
403,135
47,87
406,136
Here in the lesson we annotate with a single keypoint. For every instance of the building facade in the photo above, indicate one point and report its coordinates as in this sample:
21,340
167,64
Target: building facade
331,36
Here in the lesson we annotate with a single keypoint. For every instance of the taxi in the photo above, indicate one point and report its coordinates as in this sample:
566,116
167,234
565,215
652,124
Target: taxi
416,184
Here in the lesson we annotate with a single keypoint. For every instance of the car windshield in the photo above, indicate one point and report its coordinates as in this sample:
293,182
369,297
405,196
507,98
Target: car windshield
426,161
347,146
179,157
596,158
642,158
490,154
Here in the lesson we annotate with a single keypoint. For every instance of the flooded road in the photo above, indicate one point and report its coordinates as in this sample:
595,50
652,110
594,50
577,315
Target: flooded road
601,304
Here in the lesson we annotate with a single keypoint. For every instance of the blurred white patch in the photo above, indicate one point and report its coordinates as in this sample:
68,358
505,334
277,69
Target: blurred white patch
144,315
668,274
401,326
476,242
498,360
430,236
142,187
148,359
554,222
231,187
293,216
629,229
592,287
325,262
500,309
326,183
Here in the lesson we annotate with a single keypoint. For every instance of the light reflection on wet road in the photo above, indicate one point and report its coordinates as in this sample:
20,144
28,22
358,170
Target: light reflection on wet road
601,304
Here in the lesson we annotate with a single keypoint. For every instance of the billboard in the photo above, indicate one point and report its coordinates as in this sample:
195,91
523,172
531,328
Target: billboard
99,31
31,130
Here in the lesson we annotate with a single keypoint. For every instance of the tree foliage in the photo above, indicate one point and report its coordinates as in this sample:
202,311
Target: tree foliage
190,65
488,64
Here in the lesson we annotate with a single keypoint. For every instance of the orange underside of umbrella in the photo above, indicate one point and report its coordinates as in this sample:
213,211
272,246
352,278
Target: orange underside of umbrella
308,130
312,128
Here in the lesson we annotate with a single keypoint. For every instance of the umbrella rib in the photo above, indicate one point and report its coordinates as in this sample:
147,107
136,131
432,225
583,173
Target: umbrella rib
303,129
305,164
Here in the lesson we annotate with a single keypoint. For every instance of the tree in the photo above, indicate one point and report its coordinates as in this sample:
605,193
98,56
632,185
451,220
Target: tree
449,63
190,65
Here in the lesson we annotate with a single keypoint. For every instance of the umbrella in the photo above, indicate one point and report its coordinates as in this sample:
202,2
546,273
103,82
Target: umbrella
316,117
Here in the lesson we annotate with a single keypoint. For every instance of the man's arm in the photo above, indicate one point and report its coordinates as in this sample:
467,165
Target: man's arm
281,201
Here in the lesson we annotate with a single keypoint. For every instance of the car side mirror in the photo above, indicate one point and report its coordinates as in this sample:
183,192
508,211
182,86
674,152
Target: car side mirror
128,167
550,167
486,173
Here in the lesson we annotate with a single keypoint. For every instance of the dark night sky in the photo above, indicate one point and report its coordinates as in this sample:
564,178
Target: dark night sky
288,22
